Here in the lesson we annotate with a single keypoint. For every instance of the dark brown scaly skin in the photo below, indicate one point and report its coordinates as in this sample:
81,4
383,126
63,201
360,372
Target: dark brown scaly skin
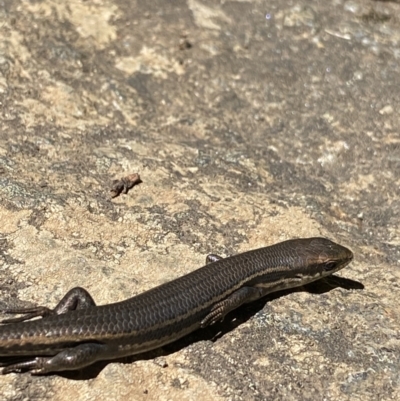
78,333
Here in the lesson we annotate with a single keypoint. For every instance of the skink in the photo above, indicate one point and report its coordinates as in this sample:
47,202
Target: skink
77,333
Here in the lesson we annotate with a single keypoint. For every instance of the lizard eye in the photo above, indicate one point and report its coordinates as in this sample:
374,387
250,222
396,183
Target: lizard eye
329,266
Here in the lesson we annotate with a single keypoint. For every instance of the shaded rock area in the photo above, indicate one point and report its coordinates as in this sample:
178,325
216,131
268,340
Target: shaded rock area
249,122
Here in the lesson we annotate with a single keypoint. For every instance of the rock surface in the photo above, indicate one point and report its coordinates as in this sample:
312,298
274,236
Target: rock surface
249,122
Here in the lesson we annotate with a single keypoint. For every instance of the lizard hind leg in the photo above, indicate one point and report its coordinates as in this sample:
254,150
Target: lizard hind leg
70,359
76,298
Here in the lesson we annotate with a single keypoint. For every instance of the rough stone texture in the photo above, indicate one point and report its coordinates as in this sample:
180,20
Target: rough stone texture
250,122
